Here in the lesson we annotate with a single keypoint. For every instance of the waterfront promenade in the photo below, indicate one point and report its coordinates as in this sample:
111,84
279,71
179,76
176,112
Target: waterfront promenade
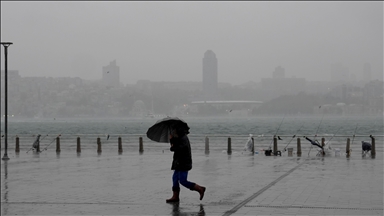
238,184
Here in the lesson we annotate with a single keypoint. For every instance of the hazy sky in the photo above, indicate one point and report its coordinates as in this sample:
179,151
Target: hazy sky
166,41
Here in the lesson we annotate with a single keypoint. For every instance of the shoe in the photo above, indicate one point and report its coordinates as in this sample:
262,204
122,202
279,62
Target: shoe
175,197
199,189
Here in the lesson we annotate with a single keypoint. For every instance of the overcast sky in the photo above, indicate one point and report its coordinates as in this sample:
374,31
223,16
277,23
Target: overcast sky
166,41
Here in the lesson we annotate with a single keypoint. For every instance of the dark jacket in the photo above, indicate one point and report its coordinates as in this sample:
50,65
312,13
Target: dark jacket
182,156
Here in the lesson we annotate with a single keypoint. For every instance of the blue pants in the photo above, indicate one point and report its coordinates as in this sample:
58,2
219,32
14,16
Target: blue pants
181,177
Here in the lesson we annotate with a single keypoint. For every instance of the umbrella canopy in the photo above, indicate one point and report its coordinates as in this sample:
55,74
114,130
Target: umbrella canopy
160,131
366,146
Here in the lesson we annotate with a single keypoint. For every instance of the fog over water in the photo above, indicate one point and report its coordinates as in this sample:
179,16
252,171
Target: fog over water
144,59
166,41
207,125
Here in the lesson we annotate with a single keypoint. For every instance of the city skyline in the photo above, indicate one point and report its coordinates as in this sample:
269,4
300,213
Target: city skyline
164,41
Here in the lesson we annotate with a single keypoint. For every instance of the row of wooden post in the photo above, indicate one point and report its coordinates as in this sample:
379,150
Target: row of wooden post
229,146
290,150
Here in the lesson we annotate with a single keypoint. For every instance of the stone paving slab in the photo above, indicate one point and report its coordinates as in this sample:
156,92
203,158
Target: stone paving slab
337,186
237,184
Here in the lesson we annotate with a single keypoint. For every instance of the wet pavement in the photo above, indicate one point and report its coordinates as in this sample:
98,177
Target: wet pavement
237,184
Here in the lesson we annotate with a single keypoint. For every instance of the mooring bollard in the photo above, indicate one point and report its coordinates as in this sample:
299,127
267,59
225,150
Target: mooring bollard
298,147
274,145
78,150
141,148
348,150
206,145
322,145
58,144
373,150
120,146
17,148
98,145
229,149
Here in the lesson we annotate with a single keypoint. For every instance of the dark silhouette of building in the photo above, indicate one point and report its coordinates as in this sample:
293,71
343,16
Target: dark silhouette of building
111,74
210,78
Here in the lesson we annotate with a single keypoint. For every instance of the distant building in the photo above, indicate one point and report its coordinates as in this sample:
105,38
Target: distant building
367,73
339,73
144,86
13,84
111,74
280,85
11,74
210,75
373,93
138,109
188,86
279,72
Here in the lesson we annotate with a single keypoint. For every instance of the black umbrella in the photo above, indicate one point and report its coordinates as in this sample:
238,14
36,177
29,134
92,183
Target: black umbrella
160,131
366,146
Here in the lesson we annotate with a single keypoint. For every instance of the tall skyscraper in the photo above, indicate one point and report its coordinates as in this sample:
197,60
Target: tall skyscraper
210,78
111,74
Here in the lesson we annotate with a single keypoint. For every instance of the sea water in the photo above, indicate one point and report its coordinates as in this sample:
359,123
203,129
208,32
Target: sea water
335,130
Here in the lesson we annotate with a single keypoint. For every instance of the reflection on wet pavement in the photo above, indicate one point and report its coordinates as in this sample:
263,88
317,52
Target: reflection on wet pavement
237,184
177,211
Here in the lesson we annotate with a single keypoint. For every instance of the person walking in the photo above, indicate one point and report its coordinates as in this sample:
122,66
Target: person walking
36,144
181,164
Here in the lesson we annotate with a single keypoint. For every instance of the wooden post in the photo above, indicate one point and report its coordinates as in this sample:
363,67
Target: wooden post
98,145
322,145
298,147
141,148
348,151
274,145
17,148
206,145
229,149
58,150
120,146
373,150
78,150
